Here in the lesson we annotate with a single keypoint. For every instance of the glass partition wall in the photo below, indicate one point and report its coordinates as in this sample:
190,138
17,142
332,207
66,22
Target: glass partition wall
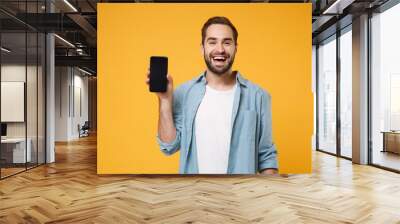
334,75
22,88
385,89
345,62
13,109
334,103
327,95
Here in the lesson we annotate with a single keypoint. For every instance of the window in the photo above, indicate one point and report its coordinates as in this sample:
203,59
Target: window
385,88
327,95
346,93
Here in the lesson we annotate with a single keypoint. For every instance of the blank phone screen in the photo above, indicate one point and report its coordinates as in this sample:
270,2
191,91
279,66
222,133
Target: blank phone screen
158,74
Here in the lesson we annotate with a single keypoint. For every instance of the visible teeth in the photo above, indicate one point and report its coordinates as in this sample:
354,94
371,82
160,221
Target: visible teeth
219,58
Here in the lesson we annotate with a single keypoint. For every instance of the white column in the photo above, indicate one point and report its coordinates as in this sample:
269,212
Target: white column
50,92
360,90
50,110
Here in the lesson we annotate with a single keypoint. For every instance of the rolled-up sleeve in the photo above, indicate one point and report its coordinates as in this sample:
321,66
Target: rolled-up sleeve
267,150
169,148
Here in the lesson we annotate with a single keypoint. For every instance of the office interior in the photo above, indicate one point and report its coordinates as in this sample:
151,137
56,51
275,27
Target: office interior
49,83
47,80
376,87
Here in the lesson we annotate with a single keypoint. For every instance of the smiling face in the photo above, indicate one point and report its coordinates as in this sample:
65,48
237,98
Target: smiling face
219,48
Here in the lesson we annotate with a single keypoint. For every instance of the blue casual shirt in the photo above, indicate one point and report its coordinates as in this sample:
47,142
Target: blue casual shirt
251,146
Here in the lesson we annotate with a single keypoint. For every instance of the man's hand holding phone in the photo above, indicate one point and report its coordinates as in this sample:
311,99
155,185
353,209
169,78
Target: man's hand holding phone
167,95
161,83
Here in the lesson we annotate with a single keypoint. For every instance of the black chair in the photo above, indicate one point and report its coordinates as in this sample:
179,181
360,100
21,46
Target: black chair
84,130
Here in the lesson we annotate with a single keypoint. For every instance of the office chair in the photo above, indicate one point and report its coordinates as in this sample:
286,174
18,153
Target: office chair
84,130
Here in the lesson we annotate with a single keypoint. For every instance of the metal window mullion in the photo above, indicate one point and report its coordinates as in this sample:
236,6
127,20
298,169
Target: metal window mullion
338,98
369,89
0,95
72,93
45,87
37,91
45,94
317,96
26,87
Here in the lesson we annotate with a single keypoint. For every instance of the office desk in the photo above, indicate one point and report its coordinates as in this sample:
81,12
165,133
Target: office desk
13,150
391,141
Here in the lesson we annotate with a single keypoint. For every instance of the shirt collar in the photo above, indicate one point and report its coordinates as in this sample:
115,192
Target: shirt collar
242,81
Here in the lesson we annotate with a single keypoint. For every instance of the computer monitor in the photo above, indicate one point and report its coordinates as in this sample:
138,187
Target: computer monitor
3,129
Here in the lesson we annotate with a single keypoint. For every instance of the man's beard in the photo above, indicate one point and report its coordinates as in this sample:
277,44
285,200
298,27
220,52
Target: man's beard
218,71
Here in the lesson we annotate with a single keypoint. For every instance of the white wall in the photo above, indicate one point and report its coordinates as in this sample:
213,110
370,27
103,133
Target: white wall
71,93
62,80
12,101
80,84
16,73
33,127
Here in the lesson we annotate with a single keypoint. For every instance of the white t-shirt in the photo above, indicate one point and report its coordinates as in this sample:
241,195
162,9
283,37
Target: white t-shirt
213,128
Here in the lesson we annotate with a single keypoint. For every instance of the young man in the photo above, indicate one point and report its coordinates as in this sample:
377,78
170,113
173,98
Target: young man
220,121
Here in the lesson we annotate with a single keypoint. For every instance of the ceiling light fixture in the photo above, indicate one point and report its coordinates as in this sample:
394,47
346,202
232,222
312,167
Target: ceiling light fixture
70,5
84,71
337,7
64,40
79,51
5,50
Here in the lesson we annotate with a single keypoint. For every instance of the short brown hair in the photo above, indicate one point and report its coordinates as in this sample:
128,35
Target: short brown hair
218,20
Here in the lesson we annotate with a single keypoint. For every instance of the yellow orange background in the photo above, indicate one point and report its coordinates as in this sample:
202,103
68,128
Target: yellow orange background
274,51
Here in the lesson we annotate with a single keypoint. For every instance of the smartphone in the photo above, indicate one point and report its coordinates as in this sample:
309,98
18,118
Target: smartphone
158,74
